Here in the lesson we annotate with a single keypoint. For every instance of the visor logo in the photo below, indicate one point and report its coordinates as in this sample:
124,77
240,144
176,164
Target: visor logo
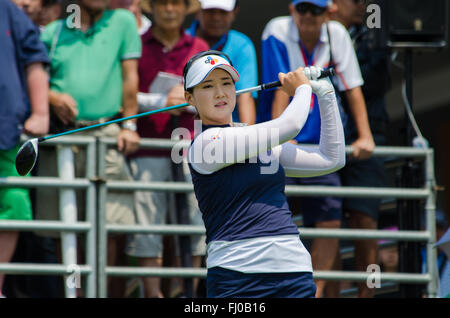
210,60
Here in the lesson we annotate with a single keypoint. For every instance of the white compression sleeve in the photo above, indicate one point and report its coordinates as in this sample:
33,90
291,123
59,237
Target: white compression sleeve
217,147
329,156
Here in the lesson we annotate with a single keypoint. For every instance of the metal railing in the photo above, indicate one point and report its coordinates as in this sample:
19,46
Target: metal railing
89,227
426,193
97,230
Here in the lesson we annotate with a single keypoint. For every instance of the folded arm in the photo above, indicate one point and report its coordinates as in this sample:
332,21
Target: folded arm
329,156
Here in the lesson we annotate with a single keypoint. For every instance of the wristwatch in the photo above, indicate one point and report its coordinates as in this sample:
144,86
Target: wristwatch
130,125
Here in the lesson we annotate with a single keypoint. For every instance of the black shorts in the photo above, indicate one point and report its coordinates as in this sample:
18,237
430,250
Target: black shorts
317,209
363,173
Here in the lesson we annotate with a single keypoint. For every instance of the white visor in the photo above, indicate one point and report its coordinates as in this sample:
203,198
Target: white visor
201,68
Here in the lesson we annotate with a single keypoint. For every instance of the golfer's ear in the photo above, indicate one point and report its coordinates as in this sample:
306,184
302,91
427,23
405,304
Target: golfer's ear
189,98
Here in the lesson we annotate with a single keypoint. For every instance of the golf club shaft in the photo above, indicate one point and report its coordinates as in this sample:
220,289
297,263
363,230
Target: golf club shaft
325,73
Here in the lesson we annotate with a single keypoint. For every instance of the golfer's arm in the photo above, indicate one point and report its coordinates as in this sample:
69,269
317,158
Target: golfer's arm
217,148
329,156
37,82
247,109
130,82
357,106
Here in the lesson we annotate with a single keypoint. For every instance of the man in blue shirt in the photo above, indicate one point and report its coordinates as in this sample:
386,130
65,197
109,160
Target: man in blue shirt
23,108
213,24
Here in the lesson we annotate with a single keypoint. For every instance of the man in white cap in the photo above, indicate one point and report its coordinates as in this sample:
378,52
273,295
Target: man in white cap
213,24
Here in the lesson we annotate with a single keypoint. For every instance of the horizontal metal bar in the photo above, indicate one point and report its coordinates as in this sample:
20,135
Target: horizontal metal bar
326,275
290,190
156,271
42,269
157,229
407,278
43,182
357,192
150,186
352,234
69,141
349,234
19,225
64,140
379,151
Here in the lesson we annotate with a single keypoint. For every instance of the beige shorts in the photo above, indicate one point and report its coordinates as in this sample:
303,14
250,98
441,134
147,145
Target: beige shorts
155,207
119,204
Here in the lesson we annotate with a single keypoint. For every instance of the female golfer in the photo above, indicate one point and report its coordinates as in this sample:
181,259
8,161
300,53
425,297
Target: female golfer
254,249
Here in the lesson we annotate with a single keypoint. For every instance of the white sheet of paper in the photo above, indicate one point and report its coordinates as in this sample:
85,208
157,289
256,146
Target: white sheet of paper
164,82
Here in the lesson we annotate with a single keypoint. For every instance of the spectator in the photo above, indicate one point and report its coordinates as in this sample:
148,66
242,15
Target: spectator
24,104
213,24
166,48
306,38
374,63
93,78
135,7
51,11
388,253
30,7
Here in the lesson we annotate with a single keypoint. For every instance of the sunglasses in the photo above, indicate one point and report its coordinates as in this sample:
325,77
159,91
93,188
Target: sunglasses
303,8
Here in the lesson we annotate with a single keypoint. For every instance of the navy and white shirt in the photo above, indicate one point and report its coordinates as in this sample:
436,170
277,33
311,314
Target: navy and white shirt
239,178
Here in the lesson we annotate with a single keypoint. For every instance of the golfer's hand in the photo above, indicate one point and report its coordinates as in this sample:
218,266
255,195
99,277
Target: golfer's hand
37,125
362,148
64,106
320,87
176,97
128,141
292,80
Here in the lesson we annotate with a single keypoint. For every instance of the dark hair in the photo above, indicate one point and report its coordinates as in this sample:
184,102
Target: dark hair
196,57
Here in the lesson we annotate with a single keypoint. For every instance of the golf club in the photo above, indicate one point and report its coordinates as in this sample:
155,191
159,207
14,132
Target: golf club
27,155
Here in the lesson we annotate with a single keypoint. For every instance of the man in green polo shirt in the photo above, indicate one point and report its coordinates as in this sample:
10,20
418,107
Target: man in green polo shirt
93,77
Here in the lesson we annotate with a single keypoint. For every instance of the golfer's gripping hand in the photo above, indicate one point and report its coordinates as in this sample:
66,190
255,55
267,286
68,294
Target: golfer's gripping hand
320,87
290,81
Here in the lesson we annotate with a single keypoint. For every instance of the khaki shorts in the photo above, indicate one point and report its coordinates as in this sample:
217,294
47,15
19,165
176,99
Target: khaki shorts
119,204
154,207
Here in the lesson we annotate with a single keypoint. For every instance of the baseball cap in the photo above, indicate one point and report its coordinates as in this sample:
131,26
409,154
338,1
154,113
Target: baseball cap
203,66
227,5
319,3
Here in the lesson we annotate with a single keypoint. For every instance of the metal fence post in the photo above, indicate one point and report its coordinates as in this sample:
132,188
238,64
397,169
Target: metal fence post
102,246
430,217
68,214
91,215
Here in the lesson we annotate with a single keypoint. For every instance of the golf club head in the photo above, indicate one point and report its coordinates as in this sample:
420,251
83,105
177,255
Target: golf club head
26,156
